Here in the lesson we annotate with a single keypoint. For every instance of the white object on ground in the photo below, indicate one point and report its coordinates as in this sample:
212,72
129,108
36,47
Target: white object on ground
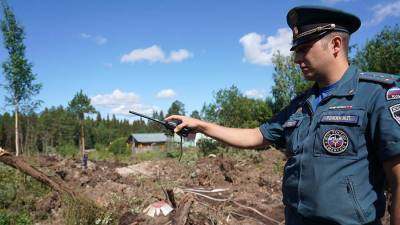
155,208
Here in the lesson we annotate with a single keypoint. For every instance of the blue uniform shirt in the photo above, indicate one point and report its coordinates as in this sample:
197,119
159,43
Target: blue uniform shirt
322,93
334,170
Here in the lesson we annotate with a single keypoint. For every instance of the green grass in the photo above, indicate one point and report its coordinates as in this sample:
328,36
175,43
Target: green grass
18,197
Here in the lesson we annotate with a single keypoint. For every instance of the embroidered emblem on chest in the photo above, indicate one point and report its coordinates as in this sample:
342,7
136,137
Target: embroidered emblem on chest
335,141
395,111
393,93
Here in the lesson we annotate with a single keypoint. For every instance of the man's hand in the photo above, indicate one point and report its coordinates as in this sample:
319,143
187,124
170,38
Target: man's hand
194,124
392,170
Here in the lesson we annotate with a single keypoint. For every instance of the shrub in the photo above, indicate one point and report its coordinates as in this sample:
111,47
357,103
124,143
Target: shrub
68,150
207,146
100,147
119,146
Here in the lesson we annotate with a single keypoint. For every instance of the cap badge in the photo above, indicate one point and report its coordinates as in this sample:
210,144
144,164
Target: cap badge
295,31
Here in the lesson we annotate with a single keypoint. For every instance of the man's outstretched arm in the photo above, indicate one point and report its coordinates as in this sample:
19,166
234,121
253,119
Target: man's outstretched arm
237,137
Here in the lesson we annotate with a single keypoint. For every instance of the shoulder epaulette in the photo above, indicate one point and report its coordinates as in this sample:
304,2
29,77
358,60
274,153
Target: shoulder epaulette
382,78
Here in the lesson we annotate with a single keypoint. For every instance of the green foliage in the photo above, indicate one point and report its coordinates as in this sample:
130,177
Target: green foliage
19,195
119,146
207,146
80,105
67,150
173,154
176,108
19,79
233,109
23,218
17,70
150,155
8,190
85,212
382,53
246,154
195,114
288,79
4,218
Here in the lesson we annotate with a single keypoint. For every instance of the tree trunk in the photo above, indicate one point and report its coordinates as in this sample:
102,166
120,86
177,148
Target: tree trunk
16,130
82,137
59,186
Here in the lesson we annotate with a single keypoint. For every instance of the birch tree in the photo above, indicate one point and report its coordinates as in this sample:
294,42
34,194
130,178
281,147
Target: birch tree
19,79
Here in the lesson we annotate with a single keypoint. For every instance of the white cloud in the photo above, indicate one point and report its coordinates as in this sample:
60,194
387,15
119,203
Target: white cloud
155,54
85,36
166,93
121,102
99,40
152,54
259,49
381,11
180,55
254,93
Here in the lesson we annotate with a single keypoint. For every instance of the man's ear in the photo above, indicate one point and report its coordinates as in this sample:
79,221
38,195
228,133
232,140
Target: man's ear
336,45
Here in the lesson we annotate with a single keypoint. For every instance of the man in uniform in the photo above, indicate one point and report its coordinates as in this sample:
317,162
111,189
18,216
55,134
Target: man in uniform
342,135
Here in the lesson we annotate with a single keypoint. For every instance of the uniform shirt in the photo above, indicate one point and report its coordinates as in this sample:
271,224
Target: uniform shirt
334,170
322,93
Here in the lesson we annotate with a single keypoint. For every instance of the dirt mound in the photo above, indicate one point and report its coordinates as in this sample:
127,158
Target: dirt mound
224,189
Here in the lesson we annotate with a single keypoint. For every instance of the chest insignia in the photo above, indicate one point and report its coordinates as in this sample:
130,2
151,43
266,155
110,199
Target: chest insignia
395,111
393,93
335,141
345,107
351,119
290,123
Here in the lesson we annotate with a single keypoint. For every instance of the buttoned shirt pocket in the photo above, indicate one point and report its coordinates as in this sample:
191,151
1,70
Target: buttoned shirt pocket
340,133
291,132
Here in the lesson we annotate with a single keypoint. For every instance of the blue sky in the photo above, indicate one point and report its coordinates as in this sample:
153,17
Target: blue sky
143,55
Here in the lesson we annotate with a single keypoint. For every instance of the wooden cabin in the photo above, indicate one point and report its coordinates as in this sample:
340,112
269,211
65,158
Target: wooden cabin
147,141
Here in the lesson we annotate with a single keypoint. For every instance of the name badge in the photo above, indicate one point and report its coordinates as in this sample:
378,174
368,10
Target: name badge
290,123
351,119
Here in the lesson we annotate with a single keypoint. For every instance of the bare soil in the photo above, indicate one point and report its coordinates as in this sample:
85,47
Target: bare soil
249,190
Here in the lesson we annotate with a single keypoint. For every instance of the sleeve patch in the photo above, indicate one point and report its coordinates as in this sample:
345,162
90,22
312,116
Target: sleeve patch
395,111
393,93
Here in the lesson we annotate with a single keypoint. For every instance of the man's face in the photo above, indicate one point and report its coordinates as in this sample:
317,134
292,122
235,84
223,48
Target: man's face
312,59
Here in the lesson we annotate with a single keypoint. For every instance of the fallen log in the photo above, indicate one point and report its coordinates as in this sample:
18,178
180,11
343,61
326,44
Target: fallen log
78,208
19,164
